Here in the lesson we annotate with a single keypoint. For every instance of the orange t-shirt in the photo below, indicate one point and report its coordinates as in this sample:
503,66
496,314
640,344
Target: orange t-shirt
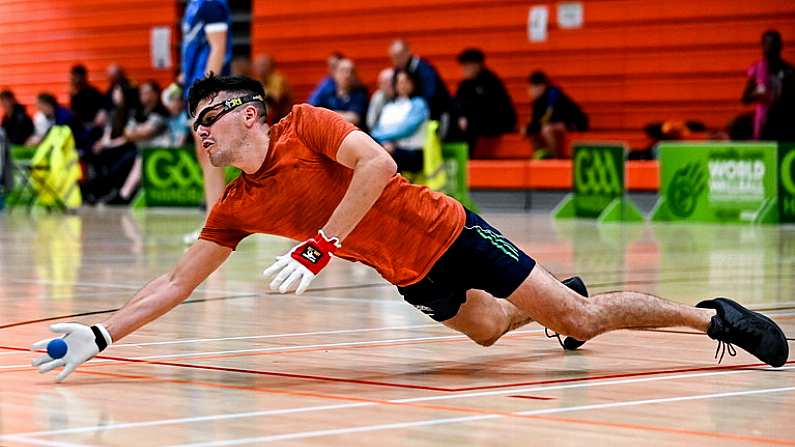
300,184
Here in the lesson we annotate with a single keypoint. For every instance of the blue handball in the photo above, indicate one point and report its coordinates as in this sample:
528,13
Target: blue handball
57,348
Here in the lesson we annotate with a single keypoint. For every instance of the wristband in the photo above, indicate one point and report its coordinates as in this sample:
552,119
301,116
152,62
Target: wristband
315,253
101,337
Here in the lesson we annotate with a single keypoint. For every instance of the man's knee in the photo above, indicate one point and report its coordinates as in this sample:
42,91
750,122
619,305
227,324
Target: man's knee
487,333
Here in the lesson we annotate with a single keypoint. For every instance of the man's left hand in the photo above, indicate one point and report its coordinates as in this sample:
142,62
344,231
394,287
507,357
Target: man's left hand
302,263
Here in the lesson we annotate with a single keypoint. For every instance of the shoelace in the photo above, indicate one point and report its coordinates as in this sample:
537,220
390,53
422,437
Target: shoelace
724,344
554,335
726,347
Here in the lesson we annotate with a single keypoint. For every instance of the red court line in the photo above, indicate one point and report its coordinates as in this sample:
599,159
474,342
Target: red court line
654,428
467,410
421,387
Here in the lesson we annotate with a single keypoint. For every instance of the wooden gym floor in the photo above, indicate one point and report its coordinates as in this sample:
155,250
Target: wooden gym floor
349,363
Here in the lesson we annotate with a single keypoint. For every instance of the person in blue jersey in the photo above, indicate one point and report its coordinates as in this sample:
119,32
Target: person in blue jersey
206,48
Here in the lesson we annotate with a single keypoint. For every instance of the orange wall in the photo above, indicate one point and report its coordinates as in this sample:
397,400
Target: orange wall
41,39
633,61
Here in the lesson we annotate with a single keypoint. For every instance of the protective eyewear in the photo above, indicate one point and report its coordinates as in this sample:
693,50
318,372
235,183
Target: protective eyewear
211,114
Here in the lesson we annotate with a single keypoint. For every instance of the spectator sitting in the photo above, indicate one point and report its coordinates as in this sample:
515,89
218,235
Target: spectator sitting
771,87
113,155
277,89
384,93
87,104
348,98
431,86
402,126
178,118
484,107
326,84
16,122
115,75
148,128
553,114
50,114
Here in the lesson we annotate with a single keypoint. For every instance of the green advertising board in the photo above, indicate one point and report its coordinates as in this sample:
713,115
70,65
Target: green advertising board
172,177
599,186
718,182
786,177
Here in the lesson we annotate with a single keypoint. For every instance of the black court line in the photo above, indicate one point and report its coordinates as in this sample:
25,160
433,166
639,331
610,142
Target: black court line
201,300
376,285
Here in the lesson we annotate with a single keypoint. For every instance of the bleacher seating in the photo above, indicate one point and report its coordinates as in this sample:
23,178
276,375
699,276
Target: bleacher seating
550,174
632,63
41,43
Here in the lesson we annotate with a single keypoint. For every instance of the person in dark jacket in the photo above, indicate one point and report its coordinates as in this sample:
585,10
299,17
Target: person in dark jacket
431,86
483,105
553,114
16,122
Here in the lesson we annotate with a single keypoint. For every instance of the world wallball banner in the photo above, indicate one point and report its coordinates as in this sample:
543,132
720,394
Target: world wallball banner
718,182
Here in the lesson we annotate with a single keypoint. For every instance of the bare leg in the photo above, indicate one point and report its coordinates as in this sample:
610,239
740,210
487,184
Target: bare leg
213,177
554,135
485,319
133,179
543,298
559,308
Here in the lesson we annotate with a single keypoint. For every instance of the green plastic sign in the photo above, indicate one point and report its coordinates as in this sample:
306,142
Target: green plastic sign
172,177
718,182
786,176
598,183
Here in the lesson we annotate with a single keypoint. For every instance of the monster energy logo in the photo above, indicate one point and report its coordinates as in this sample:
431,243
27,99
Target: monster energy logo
497,240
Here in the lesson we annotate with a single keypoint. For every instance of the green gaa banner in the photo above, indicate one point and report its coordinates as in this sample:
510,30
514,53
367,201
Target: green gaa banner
598,178
718,182
172,177
598,183
786,176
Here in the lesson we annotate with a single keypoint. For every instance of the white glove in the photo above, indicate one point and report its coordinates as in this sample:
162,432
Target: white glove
291,271
83,343
302,263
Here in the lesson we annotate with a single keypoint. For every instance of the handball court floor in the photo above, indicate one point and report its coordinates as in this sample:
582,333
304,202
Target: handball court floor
349,363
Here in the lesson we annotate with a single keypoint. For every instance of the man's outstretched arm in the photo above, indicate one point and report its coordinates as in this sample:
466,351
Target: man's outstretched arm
154,300
168,290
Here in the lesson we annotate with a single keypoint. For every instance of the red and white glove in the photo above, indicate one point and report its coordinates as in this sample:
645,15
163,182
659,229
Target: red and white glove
302,263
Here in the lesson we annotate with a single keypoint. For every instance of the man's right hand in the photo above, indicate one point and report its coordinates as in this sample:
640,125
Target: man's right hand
83,343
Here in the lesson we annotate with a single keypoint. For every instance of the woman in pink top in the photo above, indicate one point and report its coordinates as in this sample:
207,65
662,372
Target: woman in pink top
766,79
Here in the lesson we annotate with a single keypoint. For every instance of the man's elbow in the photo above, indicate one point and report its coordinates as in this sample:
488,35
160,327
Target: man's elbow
387,165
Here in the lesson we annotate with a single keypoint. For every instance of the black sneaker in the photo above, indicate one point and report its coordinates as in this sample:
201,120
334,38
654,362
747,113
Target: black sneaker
569,343
735,325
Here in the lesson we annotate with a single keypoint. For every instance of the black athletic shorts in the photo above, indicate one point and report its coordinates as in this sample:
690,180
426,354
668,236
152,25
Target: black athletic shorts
480,258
